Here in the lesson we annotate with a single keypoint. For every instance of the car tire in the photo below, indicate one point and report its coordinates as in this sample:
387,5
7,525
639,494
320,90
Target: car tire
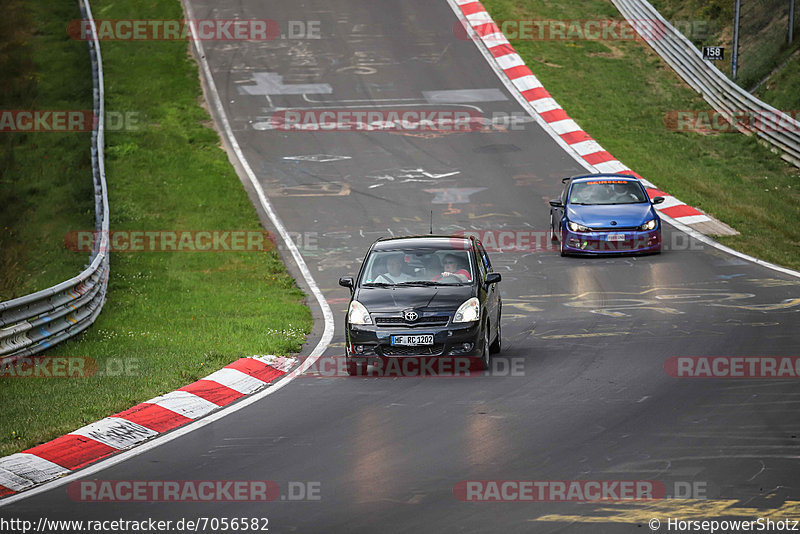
495,347
561,247
356,369
485,357
553,236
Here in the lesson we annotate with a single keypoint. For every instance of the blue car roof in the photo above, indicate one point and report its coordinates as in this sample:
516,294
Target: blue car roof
590,177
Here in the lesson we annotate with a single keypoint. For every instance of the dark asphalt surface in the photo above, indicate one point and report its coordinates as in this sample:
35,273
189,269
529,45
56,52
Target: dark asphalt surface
588,338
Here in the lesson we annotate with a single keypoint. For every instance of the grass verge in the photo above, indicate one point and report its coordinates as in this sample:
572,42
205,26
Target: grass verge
620,92
170,317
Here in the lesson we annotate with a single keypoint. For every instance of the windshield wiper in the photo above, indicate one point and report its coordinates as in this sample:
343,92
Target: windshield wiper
376,284
420,283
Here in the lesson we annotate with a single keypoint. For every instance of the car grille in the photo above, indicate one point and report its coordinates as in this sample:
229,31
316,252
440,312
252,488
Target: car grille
396,350
616,229
431,320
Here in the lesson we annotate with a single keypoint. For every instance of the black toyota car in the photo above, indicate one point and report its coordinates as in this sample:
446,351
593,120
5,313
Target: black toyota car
422,296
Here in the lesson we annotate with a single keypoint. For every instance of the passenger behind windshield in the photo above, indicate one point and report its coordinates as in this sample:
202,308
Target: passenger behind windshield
600,192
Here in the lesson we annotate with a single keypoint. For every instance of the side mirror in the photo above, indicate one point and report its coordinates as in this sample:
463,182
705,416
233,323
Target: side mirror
556,203
492,278
657,200
347,281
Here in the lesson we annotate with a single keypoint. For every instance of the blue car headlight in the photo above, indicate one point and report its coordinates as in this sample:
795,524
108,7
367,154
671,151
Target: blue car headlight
575,227
649,225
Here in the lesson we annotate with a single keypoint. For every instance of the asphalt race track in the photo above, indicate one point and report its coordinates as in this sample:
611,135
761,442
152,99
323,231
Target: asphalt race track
579,391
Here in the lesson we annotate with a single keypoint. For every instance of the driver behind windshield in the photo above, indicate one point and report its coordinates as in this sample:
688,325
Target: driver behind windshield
453,269
394,264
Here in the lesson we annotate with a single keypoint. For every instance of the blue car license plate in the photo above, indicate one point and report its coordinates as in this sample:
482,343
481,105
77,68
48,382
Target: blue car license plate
412,340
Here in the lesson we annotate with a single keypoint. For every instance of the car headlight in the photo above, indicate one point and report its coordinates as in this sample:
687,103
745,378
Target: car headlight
649,225
575,227
358,314
468,312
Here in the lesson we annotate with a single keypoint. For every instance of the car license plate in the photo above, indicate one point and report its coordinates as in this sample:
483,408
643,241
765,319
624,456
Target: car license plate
414,340
616,237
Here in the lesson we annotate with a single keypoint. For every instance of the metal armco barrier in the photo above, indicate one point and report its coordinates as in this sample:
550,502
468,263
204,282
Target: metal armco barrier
723,95
37,321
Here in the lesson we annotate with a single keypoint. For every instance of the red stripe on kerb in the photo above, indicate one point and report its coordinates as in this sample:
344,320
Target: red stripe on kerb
576,137
652,193
632,173
502,50
71,451
472,8
518,72
680,211
486,29
535,94
5,491
554,115
154,417
598,157
212,392
256,369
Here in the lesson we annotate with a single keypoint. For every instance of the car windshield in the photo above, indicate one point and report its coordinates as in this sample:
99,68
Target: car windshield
417,267
607,192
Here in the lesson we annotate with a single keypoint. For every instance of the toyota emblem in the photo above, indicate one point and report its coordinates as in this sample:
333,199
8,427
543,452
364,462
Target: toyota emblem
411,316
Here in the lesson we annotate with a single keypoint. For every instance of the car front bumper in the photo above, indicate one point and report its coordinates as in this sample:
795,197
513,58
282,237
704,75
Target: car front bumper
633,242
370,344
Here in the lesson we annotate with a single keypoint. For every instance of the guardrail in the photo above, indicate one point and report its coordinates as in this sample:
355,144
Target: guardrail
37,321
773,126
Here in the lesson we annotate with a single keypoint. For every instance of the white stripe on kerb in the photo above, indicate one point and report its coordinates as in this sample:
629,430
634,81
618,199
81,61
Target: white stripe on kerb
116,432
236,380
543,105
13,481
509,61
693,219
495,39
184,403
481,17
281,363
611,166
587,147
565,126
526,83
669,202
30,467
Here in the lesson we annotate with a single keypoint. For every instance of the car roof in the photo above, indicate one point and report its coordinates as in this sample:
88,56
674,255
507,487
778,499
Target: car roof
591,177
423,241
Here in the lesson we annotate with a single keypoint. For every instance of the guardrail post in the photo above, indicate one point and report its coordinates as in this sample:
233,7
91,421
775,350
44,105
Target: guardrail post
791,20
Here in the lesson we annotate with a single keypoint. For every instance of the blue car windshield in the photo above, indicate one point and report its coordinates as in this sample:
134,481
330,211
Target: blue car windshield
598,192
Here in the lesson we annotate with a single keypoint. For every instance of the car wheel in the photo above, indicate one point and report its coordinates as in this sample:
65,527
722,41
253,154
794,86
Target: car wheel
485,354
553,236
561,246
356,369
494,348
